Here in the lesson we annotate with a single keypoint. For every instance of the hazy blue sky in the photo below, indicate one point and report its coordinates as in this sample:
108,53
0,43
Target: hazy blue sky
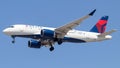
54,13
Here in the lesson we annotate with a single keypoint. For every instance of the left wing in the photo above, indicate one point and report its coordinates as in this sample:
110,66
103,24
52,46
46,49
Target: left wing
62,31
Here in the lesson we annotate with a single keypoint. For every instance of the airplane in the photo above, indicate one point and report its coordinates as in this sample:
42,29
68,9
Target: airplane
47,36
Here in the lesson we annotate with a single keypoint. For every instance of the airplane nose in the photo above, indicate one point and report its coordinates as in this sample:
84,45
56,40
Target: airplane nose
6,31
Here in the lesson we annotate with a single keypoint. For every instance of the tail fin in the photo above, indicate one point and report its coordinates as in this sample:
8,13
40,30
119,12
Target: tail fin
100,26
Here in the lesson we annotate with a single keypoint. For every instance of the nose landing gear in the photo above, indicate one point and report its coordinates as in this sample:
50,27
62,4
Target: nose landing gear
13,37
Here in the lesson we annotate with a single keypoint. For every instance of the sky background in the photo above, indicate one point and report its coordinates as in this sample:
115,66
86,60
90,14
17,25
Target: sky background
54,13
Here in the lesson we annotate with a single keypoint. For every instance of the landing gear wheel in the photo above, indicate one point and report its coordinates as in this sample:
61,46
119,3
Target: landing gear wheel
13,41
51,48
60,41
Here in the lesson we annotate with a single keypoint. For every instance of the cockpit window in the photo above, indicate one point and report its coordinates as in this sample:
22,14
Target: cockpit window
11,26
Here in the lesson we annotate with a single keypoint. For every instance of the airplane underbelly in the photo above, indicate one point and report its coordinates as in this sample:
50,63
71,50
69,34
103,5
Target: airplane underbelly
82,38
74,38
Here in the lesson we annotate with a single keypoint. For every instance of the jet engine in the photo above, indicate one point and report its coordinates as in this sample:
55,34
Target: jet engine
47,33
34,44
51,34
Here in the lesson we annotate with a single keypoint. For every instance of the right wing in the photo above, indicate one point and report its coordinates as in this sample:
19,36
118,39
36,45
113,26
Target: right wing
62,31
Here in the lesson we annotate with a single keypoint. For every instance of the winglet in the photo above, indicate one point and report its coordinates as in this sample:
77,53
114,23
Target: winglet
91,14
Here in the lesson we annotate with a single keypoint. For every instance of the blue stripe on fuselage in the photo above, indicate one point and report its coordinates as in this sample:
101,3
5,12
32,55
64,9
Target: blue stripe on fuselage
66,39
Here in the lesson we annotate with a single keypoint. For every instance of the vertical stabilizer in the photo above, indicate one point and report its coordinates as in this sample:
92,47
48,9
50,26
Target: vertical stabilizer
100,26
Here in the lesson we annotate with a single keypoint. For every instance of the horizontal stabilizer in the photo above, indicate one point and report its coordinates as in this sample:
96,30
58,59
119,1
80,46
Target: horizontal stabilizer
107,33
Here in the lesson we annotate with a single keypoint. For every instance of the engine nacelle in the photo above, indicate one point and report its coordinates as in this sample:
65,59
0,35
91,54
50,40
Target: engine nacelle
34,44
48,33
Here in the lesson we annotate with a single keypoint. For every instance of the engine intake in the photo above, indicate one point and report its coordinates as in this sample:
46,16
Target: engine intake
34,44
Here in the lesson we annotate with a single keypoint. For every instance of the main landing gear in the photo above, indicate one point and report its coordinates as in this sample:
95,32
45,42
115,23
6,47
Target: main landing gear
59,40
51,46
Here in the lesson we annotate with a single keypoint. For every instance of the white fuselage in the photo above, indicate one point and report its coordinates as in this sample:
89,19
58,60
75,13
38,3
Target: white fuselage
27,30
